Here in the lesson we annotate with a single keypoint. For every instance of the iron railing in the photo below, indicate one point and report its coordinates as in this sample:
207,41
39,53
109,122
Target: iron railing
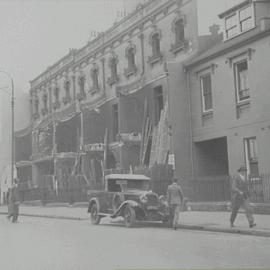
202,189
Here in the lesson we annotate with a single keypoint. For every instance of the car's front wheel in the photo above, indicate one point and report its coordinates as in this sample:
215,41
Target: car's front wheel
130,216
95,218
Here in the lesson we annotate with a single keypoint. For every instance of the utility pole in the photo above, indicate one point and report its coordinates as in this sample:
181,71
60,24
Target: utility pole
12,126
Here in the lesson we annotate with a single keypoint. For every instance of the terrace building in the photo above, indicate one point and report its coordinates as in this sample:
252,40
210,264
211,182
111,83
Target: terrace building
228,88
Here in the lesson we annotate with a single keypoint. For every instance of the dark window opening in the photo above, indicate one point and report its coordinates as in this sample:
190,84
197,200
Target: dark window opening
131,58
81,84
94,75
179,31
67,88
114,69
45,100
156,44
56,94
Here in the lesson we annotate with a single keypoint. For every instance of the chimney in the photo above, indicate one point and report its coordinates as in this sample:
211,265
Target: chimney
214,29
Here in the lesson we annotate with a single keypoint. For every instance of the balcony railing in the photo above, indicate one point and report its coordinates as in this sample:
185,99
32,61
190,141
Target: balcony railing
130,71
179,46
113,80
155,58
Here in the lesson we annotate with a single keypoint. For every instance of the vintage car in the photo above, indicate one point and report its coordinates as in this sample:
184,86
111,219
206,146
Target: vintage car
128,196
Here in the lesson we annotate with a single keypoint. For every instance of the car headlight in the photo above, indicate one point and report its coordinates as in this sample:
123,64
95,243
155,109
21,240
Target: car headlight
143,199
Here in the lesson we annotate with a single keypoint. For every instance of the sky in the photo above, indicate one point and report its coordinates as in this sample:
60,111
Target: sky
36,33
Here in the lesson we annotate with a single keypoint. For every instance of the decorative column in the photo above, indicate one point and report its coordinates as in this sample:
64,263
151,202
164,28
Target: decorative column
103,74
141,36
73,76
50,96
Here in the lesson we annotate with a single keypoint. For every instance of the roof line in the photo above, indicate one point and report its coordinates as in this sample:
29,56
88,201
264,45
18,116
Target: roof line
232,9
225,50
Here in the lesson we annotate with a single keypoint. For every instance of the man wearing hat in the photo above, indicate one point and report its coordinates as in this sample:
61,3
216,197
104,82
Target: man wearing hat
240,197
175,199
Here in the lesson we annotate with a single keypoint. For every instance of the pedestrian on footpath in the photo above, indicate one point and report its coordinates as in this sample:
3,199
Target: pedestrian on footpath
240,197
9,203
13,202
175,198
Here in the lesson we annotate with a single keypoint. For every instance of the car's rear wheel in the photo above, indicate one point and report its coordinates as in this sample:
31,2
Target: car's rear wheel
130,216
95,218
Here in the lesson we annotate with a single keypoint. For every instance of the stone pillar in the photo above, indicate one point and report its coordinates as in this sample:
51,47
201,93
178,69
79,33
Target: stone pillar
141,36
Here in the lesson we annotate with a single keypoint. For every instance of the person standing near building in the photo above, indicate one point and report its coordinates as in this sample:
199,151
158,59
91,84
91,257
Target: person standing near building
240,197
13,202
175,198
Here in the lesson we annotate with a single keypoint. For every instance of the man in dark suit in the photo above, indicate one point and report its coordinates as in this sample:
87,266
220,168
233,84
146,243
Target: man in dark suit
175,198
240,197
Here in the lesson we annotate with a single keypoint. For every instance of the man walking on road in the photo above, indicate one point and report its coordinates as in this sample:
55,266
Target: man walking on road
240,197
175,198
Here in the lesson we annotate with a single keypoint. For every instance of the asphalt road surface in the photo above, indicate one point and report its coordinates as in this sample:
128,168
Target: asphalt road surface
40,243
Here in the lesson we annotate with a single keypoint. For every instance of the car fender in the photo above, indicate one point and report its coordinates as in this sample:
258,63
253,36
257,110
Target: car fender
121,208
91,202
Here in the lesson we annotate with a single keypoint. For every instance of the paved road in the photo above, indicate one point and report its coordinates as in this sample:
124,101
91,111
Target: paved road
36,244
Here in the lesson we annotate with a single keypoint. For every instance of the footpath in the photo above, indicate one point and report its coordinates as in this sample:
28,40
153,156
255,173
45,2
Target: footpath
213,221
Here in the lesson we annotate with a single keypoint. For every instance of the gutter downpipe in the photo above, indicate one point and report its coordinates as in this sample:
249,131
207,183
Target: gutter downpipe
190,120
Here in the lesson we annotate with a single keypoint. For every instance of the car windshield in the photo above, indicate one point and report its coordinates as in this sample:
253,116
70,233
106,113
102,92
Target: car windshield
128,184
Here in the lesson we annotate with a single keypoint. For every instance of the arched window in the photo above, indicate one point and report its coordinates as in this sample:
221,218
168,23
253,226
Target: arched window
56,103
154,40
179,28
67,88
67,97
45,103
56,94
82,85
94,75
113,67
156,44
130,55
131,58
45,100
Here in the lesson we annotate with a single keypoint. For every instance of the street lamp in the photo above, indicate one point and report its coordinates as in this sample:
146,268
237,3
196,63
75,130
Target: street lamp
12,124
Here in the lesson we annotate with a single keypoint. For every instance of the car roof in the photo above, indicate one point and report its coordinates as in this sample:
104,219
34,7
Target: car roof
127,177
